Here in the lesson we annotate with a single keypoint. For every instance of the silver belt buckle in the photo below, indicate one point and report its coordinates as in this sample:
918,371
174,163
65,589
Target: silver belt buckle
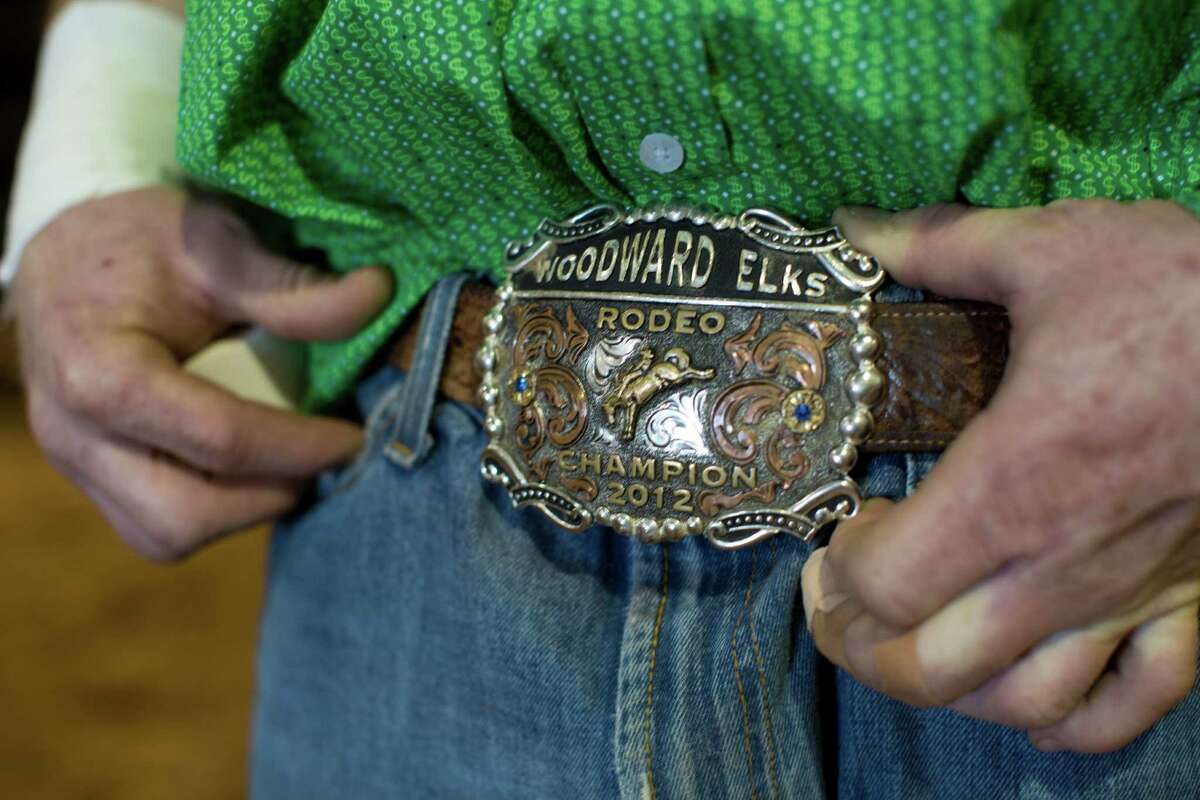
673,373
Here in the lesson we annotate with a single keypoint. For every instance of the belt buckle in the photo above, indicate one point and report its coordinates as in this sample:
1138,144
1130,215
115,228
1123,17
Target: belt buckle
672,372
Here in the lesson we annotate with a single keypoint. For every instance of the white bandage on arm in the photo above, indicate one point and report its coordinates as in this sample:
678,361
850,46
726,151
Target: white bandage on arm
104,119
104,114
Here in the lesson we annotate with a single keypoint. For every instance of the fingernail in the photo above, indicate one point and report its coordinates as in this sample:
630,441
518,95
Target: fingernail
830,602
813,582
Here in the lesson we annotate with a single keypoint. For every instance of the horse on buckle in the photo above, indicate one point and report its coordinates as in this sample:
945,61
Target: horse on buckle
646,379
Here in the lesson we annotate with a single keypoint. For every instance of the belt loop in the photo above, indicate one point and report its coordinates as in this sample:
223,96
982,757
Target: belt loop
410,440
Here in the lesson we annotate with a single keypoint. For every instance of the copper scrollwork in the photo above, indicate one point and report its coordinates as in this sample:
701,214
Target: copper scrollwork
750,409
552,398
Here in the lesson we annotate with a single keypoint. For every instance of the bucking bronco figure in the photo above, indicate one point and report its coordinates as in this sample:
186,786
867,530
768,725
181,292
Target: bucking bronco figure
636,386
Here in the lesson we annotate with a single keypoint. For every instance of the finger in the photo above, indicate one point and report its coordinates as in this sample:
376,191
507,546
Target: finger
1048,683
248,283
161,510
166,511
905,561
1052,680
983,507
122,521
144,396
814,577
985,629
954,654
835,617
1155,671
126,526
954,250
297,301
70,463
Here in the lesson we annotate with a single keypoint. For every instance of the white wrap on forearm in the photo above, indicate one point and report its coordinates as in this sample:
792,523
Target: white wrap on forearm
104,114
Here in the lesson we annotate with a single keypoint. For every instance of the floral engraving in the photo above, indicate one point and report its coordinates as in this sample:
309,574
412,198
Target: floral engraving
737,411
751,409
602,363
679,423
541,334
564,393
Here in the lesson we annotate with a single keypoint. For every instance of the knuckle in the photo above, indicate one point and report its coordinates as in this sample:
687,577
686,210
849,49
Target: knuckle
935,227
1048,230
120,391
886,600
77,378
95,388
938,218
1055,234
213,248
1092,584
871,583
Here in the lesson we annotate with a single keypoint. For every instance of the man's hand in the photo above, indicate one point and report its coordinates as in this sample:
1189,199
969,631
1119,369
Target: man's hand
112,297
1046,574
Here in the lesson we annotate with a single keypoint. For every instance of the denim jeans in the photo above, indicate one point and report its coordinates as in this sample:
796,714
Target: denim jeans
422,639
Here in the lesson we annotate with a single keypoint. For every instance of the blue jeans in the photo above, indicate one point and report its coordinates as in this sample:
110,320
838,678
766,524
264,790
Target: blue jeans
421,639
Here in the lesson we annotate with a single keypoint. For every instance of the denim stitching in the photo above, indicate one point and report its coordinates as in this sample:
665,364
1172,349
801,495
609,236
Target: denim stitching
649,715
772,756
741,691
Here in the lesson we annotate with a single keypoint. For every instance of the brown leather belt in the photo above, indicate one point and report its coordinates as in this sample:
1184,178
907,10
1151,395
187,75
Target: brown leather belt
943,362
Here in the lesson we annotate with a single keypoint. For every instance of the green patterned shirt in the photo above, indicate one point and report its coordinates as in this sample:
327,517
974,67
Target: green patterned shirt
425,134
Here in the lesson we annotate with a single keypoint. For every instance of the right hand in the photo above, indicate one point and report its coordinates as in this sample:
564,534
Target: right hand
112,297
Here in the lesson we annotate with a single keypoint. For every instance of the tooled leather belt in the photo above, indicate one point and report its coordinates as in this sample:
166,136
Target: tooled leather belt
673,373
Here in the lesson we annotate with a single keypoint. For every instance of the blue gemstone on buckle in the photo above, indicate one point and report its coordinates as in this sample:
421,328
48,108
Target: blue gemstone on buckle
522,383
803,412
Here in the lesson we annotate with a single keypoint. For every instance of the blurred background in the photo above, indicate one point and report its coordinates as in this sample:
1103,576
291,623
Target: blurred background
118,679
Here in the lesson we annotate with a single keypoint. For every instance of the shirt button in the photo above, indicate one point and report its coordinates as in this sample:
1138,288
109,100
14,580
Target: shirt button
661,152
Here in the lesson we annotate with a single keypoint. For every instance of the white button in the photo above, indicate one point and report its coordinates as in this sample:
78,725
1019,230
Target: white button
661,152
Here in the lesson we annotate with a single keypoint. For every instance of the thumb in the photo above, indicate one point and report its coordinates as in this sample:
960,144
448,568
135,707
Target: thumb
298,301
953,250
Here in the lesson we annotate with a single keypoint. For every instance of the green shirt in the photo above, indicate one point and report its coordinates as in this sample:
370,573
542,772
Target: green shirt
425,134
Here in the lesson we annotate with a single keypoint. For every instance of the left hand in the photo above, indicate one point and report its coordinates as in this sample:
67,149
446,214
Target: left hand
1047,572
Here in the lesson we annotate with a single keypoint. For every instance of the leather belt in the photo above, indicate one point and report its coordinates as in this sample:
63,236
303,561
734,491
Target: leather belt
943,362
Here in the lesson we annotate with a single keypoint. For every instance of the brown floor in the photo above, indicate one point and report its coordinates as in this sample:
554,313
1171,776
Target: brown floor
118,679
